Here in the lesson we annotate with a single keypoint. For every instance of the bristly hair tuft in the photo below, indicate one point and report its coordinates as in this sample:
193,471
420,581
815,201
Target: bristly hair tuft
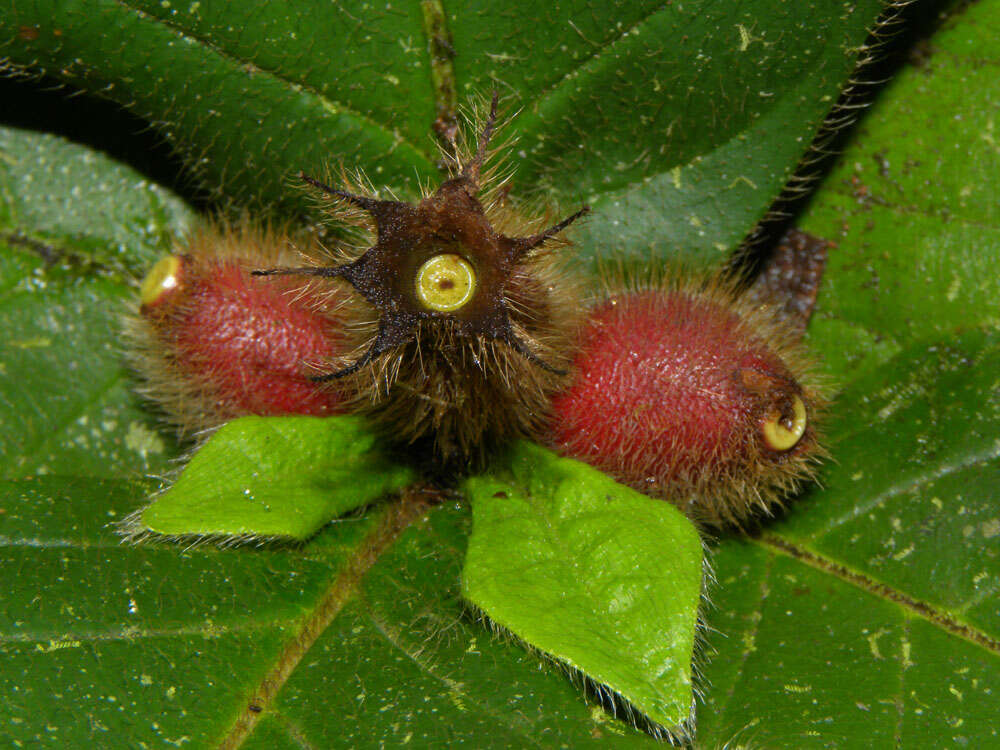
459,374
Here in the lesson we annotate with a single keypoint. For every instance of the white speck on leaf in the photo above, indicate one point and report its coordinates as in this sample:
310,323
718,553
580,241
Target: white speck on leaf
142,440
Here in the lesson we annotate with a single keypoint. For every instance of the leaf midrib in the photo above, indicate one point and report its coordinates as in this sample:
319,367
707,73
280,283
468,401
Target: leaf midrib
396,519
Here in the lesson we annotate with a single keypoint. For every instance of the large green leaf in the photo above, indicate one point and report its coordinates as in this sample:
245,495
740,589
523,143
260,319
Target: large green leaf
404,663
869,616
679,122
76,229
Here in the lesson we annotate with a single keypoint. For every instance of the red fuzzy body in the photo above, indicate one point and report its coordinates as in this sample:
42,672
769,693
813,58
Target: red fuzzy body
249,337
661,401
213,342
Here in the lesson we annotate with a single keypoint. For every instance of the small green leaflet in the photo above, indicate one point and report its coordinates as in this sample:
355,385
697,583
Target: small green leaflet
275,476
589,571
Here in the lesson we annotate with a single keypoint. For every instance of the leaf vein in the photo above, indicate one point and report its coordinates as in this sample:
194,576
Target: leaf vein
54,433
942,215
332,107
938,472
55,639
395,520
920,608
750,641
570,74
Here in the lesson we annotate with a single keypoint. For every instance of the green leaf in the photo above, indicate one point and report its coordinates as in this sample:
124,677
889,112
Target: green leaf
868,617
275,476
678,122
592,573
79,211
75,231
403,663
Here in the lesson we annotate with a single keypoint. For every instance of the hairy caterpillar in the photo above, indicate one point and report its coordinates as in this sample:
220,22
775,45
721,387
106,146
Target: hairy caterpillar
458,328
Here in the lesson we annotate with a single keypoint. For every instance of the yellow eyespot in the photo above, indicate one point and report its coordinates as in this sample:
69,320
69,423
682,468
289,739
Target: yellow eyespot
445,283
162,279
782,433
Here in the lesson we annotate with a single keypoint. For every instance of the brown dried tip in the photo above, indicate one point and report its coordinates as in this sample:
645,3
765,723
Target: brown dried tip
791,277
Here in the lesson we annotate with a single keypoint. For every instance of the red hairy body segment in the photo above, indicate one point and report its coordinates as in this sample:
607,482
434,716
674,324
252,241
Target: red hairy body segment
213,342
686,394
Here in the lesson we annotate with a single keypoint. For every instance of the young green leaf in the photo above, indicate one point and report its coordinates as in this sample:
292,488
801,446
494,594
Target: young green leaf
605,580
275,476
